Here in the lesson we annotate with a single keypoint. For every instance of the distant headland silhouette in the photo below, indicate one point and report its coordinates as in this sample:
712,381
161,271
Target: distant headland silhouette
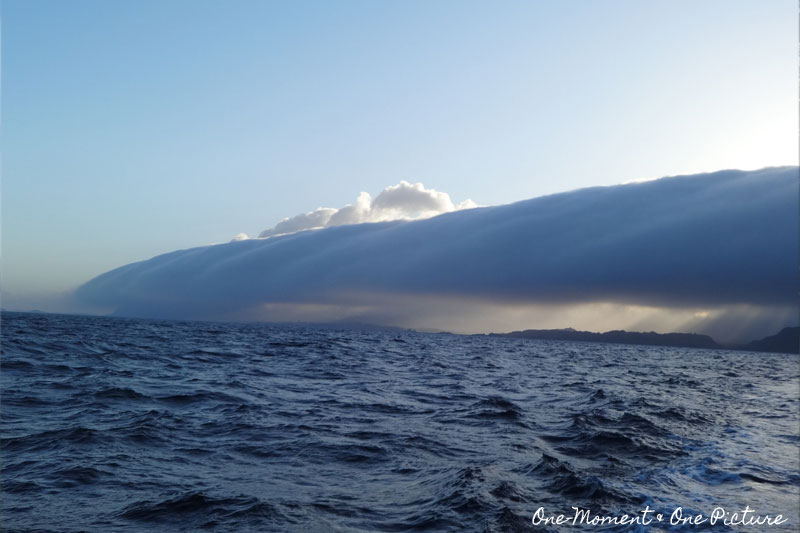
786,341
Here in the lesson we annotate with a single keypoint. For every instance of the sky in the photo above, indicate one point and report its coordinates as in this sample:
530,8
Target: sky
132,129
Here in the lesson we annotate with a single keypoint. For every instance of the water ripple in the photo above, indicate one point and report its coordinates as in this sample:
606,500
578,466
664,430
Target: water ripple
183,426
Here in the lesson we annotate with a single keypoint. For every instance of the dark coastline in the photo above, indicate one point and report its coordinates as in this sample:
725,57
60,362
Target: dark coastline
786,341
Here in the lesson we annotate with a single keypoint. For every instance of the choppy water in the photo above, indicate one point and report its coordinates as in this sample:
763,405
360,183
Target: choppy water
135,425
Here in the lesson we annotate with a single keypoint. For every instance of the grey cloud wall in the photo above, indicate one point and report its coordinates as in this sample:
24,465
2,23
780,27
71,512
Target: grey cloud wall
729,237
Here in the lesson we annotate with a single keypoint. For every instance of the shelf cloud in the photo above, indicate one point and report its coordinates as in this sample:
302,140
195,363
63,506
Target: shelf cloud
705,246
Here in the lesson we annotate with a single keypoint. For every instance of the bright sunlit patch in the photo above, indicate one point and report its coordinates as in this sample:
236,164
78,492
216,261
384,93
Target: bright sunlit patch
727,324
404,201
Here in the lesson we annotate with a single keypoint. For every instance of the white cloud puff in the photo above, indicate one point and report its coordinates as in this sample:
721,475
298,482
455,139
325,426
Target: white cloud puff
404,201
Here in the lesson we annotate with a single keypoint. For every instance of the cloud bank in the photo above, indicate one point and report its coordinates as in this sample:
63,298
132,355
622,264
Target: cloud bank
701,246
404,201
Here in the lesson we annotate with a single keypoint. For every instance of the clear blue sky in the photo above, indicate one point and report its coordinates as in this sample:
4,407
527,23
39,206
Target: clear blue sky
133,128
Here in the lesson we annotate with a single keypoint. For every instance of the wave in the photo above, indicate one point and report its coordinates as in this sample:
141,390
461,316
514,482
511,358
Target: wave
183,426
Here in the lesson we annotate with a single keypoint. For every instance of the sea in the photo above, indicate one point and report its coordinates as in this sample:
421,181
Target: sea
114,424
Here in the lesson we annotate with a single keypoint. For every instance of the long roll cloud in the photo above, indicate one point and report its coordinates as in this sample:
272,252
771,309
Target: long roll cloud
729,238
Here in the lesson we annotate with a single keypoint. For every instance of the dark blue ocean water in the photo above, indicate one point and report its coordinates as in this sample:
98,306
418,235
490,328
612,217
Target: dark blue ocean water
137,425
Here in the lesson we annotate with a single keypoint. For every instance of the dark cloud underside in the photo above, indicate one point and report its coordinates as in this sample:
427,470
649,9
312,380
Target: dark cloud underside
727,238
